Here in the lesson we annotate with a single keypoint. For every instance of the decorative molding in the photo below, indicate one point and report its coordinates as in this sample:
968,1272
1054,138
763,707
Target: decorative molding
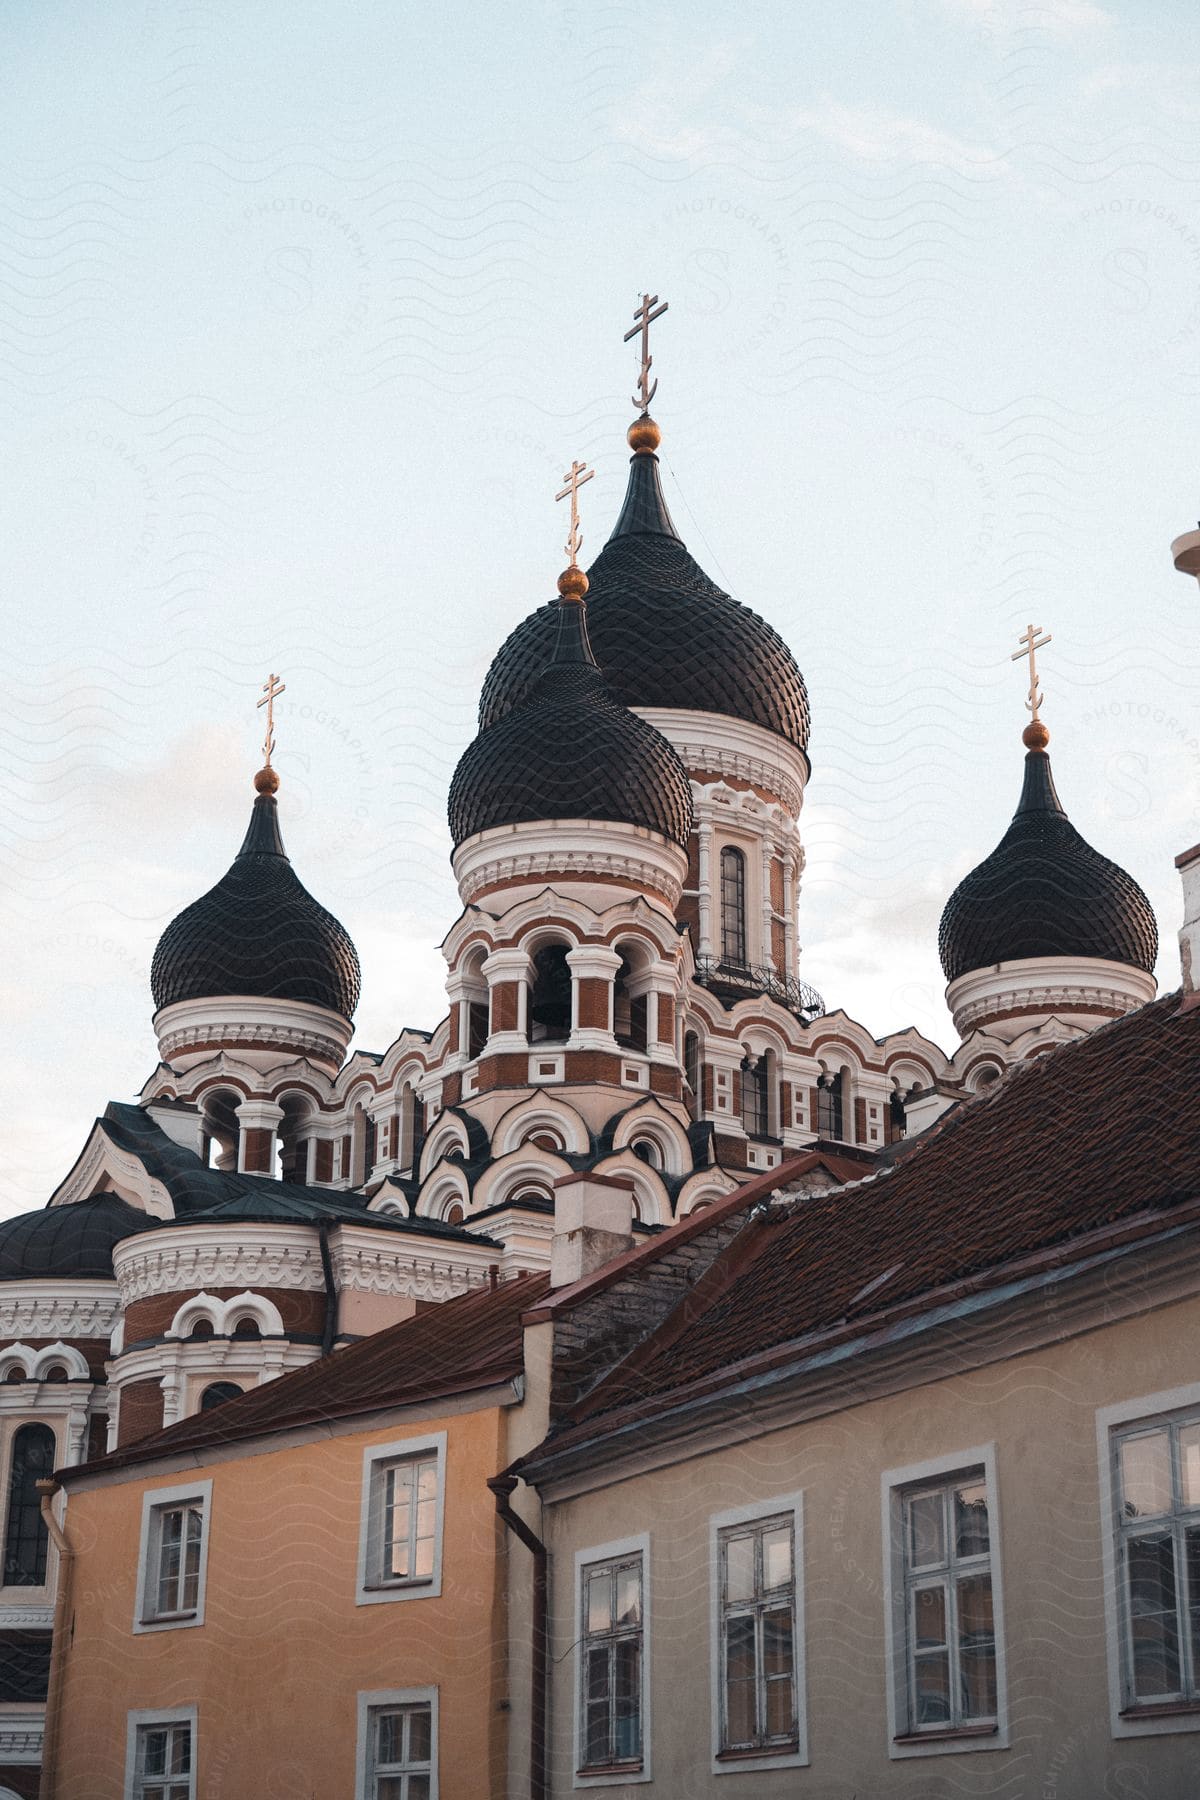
1045,985
581,848
21,1737
366,1271
16,1617
715,744
267,1257
72,1310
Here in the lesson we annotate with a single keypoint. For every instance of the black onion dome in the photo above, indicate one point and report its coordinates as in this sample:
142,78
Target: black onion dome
663,633
68,1242
570,750
259,932
1045,892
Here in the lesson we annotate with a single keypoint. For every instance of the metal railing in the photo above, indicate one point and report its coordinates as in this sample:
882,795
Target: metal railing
739,978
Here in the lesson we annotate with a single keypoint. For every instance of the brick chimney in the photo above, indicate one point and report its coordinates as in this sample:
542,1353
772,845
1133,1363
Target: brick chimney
593,1222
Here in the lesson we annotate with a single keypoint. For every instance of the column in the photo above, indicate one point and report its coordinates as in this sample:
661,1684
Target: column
507,973
258,1122
704,835
768,911
593,970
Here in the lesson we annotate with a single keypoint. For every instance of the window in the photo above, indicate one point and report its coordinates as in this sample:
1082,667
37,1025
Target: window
756,1095
733,906
217,1393
757,1652
829,1106
174,1553
943,1581
161,1755
397,1745
26,1540
1156,1483
691,1074
550,996
612,1678
400,1552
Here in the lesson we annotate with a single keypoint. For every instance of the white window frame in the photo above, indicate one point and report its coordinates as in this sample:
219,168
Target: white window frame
383,1697
198,1492
893,1483
600,1553
369,1592
775,1507
170,1715
1146,1410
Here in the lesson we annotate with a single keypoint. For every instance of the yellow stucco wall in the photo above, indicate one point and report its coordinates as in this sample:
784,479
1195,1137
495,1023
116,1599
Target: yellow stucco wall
1039,1410
283,1652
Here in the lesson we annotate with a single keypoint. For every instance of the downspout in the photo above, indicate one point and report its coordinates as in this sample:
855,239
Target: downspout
329,1333
58,1643
502,1487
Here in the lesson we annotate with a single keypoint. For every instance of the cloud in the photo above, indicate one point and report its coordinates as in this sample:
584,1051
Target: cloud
1055,18
878,134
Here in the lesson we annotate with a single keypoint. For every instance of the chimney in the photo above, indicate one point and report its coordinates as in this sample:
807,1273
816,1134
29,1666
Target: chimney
1189,932
593,1222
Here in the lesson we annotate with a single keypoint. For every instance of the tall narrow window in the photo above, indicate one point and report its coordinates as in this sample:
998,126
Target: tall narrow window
1157,1478
401,1549
950,1660
611,1665
163,1762
173,1554
733,906
756,1095
550,996
400,1754
758,1636
829,1106
691,1073
25,1536
477,1028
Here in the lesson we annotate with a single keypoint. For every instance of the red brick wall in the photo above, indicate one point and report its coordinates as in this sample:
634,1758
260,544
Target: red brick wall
301,1311
141,1411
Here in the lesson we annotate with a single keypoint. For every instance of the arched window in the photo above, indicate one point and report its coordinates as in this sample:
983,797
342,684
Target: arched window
217,1394
454,1213
25,1536
733,906
55,1372
829,1106
201,1331
648,1151
550,996
247,1328
629,1011
897,1118
15,1376
691,1074
756,1096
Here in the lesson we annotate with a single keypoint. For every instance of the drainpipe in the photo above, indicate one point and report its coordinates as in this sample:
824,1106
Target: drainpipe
58,1643
502,1487
329,1333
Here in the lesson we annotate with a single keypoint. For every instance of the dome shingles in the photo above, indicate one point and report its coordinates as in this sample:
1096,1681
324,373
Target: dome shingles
1045,892
259,933
662,632
568,749
65,1243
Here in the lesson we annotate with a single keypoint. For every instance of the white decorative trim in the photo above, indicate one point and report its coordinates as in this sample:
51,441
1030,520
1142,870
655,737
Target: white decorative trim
21,1735
773,1507
70,1309
101,1159
15,1617
208,1256
725,746
367,1269
33,1364
225,1315
153,1501
1045,984
290,1025
580,848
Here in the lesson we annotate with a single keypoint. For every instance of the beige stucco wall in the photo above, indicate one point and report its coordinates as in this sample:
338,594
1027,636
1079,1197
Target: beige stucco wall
283,1652
1039,1410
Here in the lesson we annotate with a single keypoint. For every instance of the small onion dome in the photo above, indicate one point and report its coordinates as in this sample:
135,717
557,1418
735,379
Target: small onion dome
570,750
1045,892
65,1243
663,633
258,932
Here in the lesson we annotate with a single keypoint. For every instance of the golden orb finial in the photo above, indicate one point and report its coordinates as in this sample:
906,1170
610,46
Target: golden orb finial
266,781
1035,735
573,583
644,436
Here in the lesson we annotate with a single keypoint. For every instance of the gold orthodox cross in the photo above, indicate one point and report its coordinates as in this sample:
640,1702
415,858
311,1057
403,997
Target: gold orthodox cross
272,688
575,478
1031,643
645,315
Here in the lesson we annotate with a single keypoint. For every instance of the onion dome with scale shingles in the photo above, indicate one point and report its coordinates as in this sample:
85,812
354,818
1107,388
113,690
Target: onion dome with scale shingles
68,1243
259,932
567,748
1044,892
664,635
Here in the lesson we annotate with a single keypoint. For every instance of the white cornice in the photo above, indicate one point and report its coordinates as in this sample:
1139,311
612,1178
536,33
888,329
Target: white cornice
1044,985
62,1309
717,744
289,1025
585,848
218,1255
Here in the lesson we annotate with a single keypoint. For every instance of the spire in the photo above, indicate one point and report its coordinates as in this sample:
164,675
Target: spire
644,509
571,645
263,836
1038,793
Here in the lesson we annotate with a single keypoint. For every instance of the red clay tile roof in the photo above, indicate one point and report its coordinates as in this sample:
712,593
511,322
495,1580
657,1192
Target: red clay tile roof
1096,1132
450,1347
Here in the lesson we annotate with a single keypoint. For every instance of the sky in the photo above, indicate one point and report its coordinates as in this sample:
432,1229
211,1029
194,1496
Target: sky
305,309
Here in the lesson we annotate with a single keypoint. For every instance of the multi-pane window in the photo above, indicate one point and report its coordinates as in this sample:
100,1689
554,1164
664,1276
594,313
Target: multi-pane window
756,1571
176,1544
400,1552
611,1654
950,1662
1157,1477
755,1095
25,1536
733,906
162,1767
400,1753
829,1106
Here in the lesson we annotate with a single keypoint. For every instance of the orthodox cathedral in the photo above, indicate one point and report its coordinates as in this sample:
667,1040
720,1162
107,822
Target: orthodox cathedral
625,1000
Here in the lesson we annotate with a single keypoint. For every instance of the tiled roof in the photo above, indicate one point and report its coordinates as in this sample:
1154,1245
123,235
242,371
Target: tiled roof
448,1347
1097,1132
